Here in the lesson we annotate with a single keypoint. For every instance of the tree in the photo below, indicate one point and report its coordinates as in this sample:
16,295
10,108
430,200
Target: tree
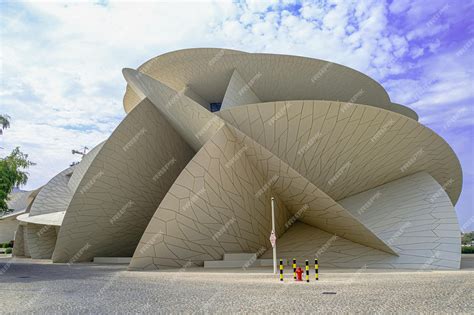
12,173
4,122
467,238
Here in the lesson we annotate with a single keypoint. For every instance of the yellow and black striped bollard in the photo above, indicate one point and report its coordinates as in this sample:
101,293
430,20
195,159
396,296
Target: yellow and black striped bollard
281,269
316,269
307,270
294,268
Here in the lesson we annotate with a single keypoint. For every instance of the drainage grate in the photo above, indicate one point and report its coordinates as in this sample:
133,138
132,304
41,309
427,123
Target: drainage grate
23,277
329,292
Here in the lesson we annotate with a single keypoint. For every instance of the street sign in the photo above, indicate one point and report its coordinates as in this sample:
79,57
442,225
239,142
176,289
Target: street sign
273,239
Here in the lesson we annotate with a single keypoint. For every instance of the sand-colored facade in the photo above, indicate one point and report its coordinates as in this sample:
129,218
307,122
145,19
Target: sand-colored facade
358,181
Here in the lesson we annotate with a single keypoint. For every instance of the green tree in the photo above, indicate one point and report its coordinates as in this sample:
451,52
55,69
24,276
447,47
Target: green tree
12,173
4,123
467,238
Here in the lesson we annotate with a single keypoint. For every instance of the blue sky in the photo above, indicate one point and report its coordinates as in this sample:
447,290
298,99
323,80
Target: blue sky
61,62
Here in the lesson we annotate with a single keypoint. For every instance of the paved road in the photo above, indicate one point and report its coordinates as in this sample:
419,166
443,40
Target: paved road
43,288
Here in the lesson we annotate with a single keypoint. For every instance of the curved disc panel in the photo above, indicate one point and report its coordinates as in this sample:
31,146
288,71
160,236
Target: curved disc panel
219,204
122,187
345,149
271,77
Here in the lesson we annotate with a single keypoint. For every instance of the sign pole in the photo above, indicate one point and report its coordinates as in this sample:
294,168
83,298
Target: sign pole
274,237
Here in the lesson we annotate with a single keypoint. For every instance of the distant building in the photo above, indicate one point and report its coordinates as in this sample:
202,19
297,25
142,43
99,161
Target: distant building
18,201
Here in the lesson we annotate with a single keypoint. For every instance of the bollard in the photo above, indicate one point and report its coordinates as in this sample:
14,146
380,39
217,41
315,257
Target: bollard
294,268
307,270
316,269
281,269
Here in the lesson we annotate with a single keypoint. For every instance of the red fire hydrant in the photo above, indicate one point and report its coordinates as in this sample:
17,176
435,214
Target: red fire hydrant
299,273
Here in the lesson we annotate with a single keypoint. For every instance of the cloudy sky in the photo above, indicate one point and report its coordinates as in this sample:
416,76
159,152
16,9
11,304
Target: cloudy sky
61,62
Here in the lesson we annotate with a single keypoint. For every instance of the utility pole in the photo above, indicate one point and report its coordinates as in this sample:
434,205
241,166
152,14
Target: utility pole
273,237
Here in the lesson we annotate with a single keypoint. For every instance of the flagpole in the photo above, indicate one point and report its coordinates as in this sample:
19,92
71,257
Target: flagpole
273,231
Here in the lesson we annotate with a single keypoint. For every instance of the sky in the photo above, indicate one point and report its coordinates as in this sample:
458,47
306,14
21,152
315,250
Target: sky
61,80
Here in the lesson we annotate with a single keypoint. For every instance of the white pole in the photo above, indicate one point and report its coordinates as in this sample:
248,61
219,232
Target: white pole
273,230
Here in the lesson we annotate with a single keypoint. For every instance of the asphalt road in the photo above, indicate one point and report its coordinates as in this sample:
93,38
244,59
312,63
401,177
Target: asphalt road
40,287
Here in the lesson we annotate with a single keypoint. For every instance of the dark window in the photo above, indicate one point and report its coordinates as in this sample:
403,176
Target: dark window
215,107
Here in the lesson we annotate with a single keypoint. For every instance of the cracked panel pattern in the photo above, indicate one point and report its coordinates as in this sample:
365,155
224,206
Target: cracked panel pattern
413,214
417,207
8,227
54,196
239,92
305,201
41,240
344,148
193,122
19,247
122,187
273,77
219,204
80,169
19,202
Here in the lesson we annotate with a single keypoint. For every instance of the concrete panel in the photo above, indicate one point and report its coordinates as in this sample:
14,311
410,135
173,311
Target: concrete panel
219,204
305,201
273,77
19,246
54,196
122,187
193,122
347,149
396,212
239,92
41,240
8,227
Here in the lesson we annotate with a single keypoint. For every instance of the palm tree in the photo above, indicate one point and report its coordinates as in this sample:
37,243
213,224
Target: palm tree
4,122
